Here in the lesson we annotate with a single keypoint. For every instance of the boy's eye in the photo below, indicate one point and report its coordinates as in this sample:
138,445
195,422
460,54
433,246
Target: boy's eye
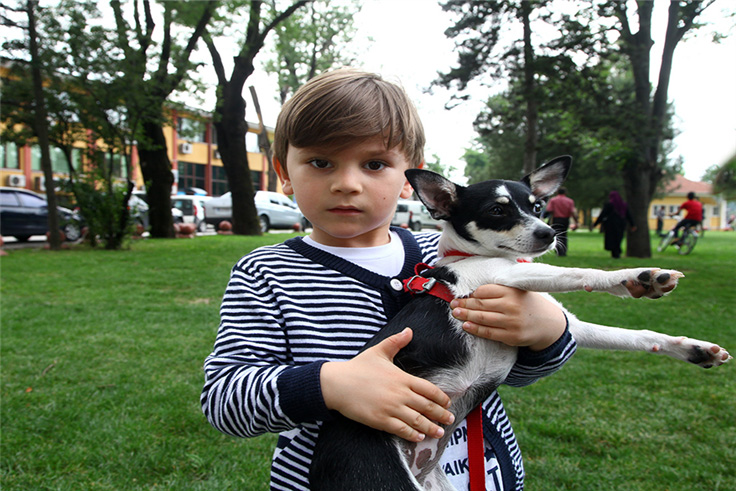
375,165
319,163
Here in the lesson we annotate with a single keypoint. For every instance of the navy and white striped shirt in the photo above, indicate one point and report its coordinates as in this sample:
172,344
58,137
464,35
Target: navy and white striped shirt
288,309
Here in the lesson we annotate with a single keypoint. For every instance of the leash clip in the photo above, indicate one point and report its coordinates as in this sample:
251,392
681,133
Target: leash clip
423,286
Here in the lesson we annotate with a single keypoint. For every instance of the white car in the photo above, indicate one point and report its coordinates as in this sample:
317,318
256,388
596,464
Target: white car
274,211
415,215
192,209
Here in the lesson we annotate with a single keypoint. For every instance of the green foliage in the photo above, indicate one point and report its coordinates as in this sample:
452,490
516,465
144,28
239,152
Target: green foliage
310,41
102,358
435,165
104,209
723,178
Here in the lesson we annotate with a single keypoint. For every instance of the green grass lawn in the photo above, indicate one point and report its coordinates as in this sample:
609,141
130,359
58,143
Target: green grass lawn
102,368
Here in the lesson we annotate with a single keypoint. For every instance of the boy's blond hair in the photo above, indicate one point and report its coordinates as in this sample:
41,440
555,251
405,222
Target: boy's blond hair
343,106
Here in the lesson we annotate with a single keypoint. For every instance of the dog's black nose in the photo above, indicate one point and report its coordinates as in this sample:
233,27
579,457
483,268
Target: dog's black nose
545,234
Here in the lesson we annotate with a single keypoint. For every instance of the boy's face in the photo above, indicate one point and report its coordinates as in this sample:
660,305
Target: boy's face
349,195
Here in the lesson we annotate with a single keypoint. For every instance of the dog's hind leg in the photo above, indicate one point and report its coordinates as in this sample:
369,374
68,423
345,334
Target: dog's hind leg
595,336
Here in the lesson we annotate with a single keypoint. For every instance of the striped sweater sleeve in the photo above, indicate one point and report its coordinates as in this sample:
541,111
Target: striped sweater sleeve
251,384
532,365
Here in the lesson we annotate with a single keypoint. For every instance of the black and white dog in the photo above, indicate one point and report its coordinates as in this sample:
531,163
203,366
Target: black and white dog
493,224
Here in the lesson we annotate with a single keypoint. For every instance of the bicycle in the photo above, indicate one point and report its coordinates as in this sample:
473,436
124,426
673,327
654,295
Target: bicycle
686,243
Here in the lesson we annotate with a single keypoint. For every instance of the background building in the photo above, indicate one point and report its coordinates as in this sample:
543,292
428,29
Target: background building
191,148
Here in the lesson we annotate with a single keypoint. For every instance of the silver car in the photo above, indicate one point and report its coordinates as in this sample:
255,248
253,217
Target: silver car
274,211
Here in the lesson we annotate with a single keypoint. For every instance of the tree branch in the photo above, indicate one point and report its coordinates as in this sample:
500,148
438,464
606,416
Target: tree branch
280,18
216,59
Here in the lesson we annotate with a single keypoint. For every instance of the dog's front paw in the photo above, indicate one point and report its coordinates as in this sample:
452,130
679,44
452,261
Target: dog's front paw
652,282
702,353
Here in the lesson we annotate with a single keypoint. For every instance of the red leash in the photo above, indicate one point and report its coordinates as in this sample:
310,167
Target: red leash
476,450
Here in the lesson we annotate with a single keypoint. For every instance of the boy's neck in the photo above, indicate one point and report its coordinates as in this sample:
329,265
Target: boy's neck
376,238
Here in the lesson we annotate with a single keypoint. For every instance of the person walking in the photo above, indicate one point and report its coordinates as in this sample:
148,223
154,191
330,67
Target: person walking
613,218
660,213
562,209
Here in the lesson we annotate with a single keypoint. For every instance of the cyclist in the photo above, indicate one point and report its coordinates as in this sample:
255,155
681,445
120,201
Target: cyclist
693,215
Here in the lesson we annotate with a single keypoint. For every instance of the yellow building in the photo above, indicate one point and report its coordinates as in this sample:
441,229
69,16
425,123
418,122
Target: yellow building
191,148
714,206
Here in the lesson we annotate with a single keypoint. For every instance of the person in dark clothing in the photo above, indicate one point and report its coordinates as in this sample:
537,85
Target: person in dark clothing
613,220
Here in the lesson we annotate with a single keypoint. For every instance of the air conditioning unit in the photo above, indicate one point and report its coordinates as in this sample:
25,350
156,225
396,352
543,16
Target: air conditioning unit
185,148
216,154
17,180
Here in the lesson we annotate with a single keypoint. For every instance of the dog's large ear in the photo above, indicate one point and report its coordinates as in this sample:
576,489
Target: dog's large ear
549,177
438,194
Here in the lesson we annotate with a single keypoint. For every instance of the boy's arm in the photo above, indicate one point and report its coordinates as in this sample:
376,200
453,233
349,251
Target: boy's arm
251,387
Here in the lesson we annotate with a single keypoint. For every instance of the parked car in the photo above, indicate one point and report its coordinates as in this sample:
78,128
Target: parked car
192,209
24,213
138,205
401,215
274,211
418,215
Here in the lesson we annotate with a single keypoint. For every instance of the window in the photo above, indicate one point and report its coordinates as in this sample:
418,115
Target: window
7,198
58,160
9,156
219,181
220,184
31,200
251,142
119,169
191,175
192,130
255,176
77,158
35,157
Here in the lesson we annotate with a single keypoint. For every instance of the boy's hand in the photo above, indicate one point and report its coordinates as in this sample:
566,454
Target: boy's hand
511,316
373,391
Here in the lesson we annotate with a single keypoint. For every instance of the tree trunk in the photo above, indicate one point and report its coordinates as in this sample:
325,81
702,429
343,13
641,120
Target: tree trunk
264,144
156,169
41,121
532,113
231,130
231,125
638,195
641,177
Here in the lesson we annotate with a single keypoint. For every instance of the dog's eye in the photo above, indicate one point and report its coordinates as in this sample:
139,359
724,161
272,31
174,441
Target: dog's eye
496,210
538,207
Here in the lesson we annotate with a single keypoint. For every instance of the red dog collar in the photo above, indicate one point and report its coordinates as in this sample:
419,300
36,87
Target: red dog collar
418,284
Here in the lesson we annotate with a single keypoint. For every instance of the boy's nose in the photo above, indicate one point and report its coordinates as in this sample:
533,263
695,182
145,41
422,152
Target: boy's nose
346,181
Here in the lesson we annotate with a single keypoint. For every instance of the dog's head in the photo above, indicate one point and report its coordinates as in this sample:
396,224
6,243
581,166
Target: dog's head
493,218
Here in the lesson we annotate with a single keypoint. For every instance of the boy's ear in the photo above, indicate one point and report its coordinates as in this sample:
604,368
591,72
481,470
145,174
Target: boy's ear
283,177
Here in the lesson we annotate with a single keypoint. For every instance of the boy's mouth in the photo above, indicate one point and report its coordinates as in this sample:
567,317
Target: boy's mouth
345,210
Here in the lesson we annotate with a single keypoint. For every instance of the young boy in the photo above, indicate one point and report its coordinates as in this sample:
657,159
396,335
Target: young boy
295,315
